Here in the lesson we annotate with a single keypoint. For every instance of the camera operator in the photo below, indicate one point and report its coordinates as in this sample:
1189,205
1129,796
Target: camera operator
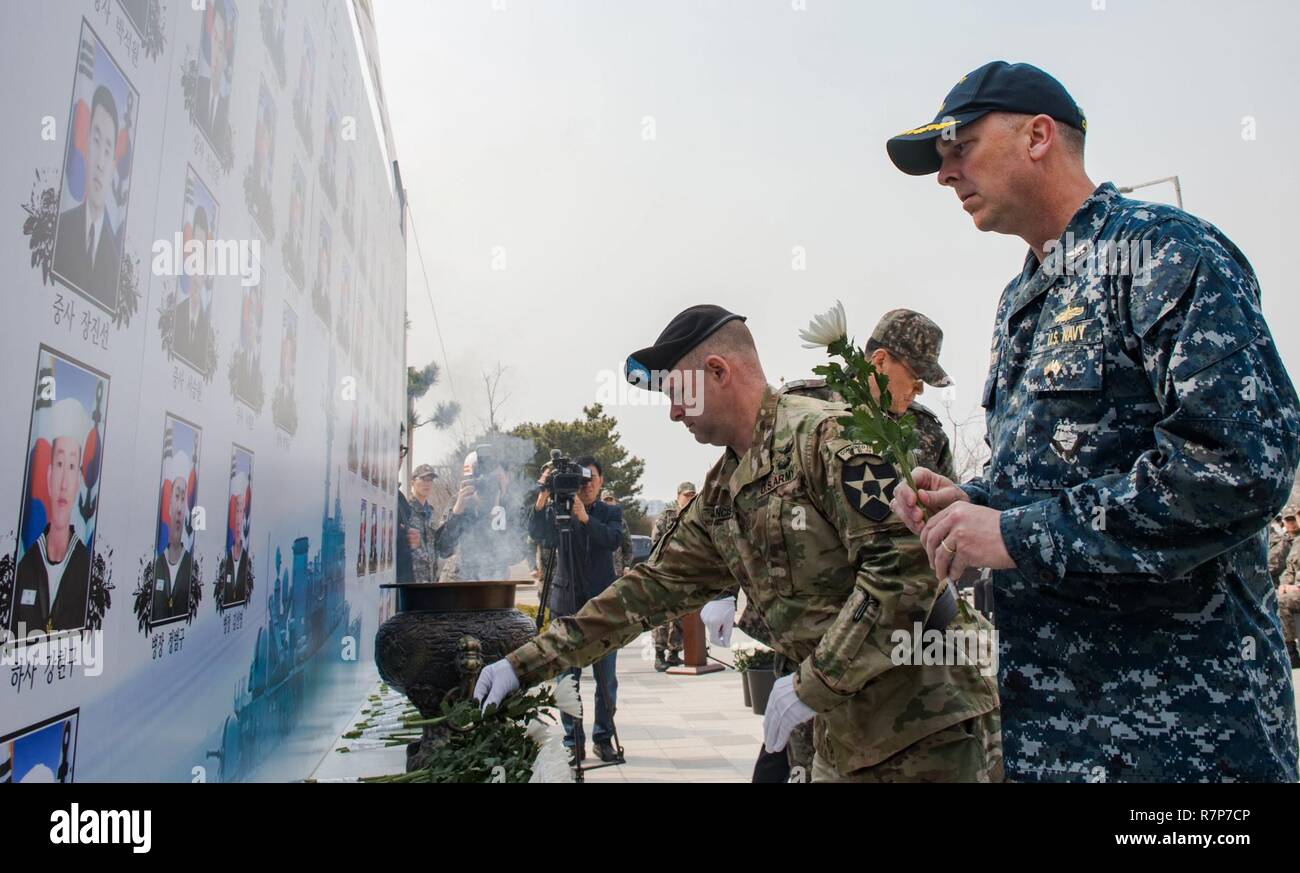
597,532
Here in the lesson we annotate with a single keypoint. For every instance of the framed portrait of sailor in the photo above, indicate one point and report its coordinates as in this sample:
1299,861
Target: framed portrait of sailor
291,244
284,409
274,19
303,91
95,190
321,295
210,109
174,561
246,362
361,542
60,500
41,753
259,178
192,333
237,564
374,537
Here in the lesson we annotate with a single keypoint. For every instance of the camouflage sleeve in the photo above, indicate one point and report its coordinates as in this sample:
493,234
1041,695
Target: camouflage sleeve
1226,447
893,589
683,573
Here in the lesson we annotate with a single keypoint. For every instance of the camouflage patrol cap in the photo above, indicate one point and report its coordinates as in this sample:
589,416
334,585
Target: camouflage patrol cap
686,487
424,471
914,339
1291,510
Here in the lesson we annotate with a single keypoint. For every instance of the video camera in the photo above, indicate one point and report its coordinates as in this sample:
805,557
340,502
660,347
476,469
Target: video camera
567,478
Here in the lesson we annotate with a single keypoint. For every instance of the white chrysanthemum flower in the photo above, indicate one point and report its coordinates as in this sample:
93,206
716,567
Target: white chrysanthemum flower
552,761
826,328
566,696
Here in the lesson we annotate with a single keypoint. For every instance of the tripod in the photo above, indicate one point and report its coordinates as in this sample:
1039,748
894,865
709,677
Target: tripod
563,550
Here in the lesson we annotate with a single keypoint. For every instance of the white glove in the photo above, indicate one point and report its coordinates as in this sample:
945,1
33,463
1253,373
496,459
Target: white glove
785,712
496,682
718,617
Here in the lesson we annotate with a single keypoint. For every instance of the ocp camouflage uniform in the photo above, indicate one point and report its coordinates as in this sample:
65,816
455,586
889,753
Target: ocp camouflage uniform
802,522
933,452
1143,432
667,636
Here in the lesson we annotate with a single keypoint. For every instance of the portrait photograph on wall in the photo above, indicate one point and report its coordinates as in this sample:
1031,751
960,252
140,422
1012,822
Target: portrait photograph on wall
192,334
237,566
97,163
59,508
284,409
259,178
210,106
174,570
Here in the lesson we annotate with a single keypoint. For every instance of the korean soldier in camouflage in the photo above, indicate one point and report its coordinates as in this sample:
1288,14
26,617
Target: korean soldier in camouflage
430,540
1279,544
1288,590
668,636
1143,432
797,515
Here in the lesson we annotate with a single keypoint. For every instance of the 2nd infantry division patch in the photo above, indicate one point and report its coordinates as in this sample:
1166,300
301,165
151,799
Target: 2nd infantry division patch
869,482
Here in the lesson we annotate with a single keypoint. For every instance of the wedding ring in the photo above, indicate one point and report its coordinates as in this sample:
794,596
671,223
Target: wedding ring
950,549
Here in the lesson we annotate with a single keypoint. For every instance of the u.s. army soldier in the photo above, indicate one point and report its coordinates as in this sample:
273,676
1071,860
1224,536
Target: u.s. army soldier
797,515
1143,432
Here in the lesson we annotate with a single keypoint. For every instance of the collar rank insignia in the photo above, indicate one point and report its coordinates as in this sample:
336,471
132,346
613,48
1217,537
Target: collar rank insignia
869,482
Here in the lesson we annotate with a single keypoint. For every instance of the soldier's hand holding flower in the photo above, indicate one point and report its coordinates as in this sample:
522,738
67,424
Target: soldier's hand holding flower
785,712
936,493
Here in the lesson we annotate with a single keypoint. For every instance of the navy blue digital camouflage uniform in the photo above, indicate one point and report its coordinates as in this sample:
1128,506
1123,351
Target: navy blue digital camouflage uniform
1143,433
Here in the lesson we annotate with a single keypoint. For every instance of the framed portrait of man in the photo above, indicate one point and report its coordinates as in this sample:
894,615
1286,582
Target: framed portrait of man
211,108
259,180
284,410
304,91
95,190
173,567
237,567
60,501
192,312
361,542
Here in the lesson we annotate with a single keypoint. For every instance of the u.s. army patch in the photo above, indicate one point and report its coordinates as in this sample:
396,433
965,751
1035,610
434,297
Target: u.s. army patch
869,482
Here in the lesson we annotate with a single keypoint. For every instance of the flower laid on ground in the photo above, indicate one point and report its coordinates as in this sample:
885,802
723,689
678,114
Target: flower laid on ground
500,744
869,420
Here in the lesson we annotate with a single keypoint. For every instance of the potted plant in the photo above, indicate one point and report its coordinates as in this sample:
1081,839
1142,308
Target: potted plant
740,657
759,677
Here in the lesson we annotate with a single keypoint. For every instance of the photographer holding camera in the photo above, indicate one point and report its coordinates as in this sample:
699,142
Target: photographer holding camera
486,526
583,567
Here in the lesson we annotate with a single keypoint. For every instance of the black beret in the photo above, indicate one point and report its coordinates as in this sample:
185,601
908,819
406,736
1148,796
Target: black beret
687,330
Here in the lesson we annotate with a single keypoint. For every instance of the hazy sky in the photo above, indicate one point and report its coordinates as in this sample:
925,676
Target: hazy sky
582,171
